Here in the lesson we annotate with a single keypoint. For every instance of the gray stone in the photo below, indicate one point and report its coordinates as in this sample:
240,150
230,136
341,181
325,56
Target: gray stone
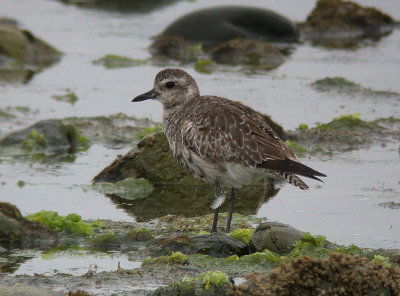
276,237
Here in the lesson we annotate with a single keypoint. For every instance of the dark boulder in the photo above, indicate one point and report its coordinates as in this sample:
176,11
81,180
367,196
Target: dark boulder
18,232
212,26
338,23
46,136
276,237
21,53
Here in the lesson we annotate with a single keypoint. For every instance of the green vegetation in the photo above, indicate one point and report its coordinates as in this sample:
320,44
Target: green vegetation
149,130
204,66
296,148
21,183
310,245
302,126
111,61
209,278
347,122
69,97
177,258
243,235
140,234
72,223
34,142
129,188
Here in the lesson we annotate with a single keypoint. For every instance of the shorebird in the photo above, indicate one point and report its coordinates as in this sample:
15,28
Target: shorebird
223,142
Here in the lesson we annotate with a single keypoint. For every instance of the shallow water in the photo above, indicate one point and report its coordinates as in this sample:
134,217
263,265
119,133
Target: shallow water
344,208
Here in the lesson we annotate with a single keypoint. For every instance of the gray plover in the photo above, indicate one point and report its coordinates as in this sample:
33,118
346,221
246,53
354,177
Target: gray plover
223,142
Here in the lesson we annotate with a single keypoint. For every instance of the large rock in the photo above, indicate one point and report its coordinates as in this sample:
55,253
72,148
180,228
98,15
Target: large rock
212,26
340,274
18,232
45,136
176,191
341,23
276,237
21,53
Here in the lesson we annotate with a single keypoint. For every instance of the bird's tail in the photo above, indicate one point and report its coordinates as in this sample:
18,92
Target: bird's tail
293,179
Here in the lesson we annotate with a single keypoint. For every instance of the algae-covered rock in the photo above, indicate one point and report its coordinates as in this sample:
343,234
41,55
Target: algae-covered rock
346,132
248,52
340,274
215,244
338,23
274,236
71,223
344,86
209,283
22,54
47,136
18,232
176,191
112,61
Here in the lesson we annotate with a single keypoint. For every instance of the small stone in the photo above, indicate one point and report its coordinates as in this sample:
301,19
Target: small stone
276,237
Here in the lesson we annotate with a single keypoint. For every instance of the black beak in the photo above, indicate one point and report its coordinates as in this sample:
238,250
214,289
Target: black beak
146,96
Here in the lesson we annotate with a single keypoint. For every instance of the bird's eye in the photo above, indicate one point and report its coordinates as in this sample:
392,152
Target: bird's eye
170,84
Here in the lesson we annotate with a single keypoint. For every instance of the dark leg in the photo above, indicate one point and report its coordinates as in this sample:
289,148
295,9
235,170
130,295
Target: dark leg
231,206
215,221
218,194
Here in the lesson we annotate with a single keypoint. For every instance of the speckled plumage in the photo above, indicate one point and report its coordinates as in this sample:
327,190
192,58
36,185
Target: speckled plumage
221,141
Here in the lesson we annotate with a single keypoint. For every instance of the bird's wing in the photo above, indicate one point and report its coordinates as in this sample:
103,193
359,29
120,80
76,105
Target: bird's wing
232,132
235,133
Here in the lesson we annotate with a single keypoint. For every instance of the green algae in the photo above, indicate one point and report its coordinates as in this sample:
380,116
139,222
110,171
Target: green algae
344,86
176,258
390,204
310,245
71,223
129,188
204,284
302,126
242,235
34,141
105,241
296,148
208,279
111,61
204,66
21,183
148,130
69,97
140,234
348,122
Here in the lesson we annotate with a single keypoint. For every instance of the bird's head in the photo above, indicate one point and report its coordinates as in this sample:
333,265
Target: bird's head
172,87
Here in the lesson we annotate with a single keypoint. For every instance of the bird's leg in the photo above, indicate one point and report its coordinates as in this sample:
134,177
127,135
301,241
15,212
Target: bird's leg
215,221
219,199
231,206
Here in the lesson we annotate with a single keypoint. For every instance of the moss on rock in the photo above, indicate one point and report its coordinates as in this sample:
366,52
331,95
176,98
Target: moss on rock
340,273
